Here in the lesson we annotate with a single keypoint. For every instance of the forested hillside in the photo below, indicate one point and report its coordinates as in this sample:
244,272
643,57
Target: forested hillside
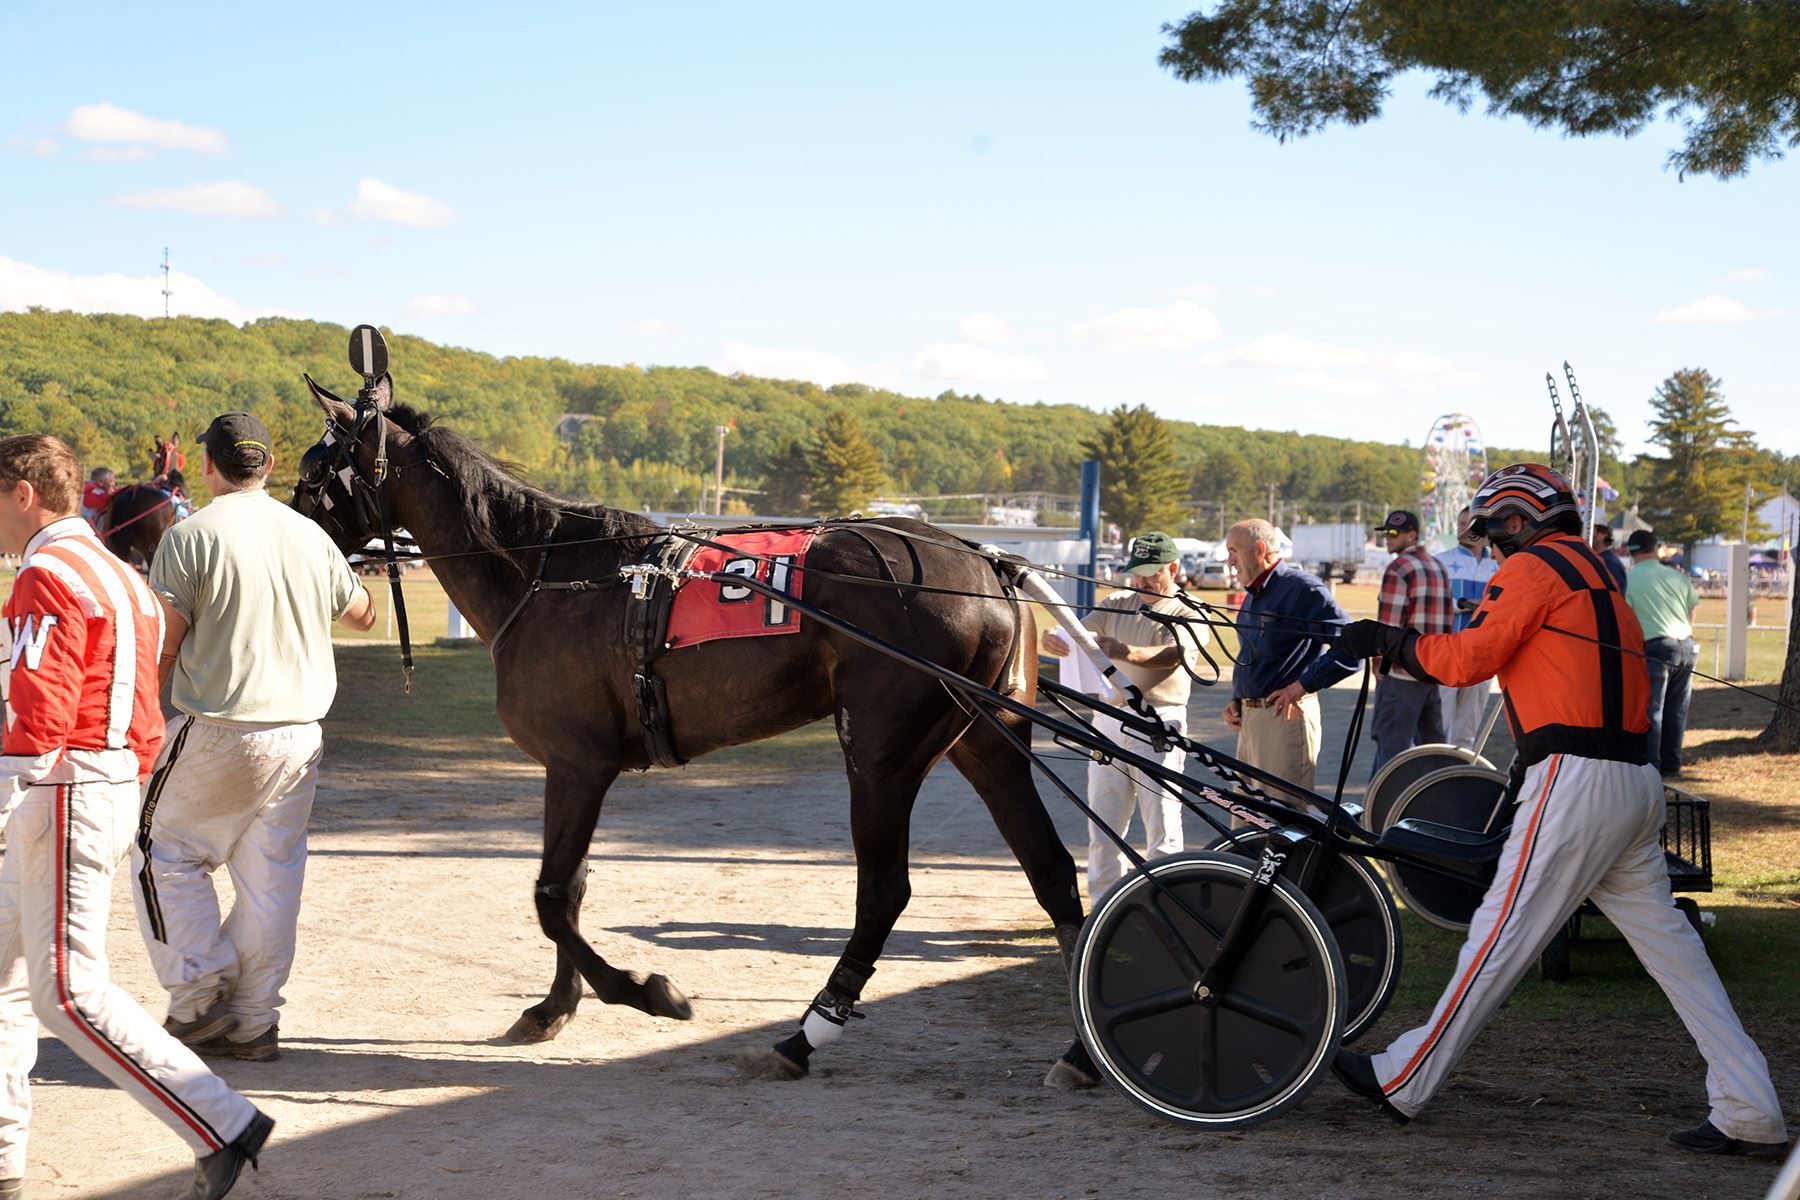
108,384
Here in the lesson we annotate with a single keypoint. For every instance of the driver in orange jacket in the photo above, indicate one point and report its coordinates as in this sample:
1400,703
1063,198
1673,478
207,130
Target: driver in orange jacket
1569,653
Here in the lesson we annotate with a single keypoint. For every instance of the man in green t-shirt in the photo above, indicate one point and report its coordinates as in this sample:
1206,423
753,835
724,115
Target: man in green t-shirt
249,590
1149,654
1664,600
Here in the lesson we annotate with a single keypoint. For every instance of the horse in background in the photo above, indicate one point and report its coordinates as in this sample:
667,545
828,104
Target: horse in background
140,514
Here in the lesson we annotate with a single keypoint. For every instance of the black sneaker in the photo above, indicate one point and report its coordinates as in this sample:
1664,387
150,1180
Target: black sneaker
1357,1072
216,1021
215,1174
1705,1138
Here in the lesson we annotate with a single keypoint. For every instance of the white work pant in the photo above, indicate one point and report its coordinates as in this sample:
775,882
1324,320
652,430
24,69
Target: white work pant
234,795
1115,791
1463,708
1587,828
63,844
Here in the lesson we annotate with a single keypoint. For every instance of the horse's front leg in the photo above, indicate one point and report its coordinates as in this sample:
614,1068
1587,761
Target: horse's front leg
572,798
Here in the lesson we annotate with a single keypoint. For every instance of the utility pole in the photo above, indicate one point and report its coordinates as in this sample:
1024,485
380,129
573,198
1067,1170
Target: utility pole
1271,504
166,291
719,474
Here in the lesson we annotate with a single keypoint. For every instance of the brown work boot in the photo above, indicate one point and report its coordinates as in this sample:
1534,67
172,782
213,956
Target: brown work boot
215,1022
264,1047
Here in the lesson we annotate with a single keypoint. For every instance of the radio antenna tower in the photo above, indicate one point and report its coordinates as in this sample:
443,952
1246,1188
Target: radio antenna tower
167,292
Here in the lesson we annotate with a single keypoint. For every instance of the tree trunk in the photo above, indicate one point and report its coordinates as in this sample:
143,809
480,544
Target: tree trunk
1783,733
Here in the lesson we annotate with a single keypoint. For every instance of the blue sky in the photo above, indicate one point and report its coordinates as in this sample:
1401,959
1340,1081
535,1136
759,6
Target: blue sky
1006,199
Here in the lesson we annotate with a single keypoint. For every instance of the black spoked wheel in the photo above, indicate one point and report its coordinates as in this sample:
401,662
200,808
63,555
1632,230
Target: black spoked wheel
1222,1066
1361,913
1463,797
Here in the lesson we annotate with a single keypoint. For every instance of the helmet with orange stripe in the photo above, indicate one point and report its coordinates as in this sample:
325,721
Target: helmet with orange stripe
1541,496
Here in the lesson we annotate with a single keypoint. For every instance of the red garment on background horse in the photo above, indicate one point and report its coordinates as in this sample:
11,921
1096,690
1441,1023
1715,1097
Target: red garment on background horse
706,611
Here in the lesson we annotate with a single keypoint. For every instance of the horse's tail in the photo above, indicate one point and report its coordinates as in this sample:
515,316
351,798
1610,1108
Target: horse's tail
1036,587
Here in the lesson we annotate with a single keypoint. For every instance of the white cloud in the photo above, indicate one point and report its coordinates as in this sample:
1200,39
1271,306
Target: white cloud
967,363
23,286
322,216
1199,291
1747,275
817,366
650,327
1326,383
1284,351
984,329
1708,310
39,147
107,123
378,201
434,304
227,198
119,154
1181,326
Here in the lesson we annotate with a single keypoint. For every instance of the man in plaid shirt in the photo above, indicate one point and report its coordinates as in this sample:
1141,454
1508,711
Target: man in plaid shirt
1415,593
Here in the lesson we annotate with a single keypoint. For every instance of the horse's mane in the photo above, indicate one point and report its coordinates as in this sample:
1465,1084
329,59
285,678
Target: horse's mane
506,514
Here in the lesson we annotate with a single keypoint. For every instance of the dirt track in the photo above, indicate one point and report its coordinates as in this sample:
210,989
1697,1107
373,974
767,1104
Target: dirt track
418,947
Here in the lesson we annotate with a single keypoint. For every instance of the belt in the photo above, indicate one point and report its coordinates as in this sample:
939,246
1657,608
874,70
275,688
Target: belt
1249,702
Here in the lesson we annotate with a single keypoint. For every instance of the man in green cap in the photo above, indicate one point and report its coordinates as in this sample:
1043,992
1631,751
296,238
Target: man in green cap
1148,654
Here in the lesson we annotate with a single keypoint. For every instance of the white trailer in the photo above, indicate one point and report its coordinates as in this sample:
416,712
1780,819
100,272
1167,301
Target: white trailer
1330,550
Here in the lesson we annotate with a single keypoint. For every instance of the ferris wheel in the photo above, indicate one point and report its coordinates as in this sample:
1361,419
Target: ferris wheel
1454,464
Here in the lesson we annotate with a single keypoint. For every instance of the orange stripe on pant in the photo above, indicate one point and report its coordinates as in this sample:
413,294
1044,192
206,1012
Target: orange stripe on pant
1475,965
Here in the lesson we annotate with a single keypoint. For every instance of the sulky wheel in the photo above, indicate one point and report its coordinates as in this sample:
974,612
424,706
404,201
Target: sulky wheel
1361,913
1465,797
1407,768
1224,1066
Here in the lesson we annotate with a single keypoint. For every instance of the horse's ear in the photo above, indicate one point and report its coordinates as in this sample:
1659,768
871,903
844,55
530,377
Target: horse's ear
337,409
383,392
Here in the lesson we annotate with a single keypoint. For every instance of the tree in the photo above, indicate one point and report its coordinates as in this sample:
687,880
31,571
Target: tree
1783,734
1729,68
846,470
1698,490
785,486
1141,480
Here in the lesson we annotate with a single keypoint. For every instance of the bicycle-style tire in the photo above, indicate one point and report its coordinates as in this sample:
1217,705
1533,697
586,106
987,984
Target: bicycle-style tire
1225,1066
1361,912
1463,797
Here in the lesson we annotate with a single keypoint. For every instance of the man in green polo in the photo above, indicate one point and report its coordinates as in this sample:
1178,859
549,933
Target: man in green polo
1664,600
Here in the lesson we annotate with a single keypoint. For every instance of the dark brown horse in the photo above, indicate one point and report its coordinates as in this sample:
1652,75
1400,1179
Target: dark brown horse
565,693
137,518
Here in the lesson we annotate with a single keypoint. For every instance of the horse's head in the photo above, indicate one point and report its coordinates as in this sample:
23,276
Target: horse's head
339,474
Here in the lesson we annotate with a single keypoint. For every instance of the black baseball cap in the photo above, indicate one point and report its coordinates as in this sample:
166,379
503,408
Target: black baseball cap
1399,521
238,443
1642,542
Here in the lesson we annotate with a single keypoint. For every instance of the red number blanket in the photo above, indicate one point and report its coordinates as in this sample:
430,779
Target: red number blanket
706,611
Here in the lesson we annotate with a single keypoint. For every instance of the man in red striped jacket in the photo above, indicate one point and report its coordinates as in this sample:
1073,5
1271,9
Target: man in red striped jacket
82,728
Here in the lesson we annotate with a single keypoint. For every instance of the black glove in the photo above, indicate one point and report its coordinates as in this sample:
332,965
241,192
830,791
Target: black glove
1366,639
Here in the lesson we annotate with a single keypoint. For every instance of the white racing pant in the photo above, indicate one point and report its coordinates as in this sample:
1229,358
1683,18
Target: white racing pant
236,795
1587,828
63,844
1115,791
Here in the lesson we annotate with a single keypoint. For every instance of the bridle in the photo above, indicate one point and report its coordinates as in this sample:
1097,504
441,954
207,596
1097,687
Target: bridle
352,504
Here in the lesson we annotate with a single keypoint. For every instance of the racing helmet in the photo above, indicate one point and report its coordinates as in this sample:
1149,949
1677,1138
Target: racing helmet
1532,490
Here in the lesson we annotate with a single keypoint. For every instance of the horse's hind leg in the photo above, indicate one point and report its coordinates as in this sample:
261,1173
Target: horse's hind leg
1002,777
572,798
887,754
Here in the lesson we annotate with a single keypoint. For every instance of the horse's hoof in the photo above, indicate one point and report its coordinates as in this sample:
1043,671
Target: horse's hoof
664,999
529,1029
769,1064
1074,1071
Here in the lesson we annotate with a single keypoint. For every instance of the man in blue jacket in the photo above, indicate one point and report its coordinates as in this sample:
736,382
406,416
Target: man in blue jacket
1284,658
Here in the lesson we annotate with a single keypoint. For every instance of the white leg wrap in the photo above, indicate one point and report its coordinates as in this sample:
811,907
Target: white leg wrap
820,1028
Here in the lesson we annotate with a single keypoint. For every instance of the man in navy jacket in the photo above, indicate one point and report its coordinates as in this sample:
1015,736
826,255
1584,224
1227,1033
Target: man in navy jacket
1284,657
